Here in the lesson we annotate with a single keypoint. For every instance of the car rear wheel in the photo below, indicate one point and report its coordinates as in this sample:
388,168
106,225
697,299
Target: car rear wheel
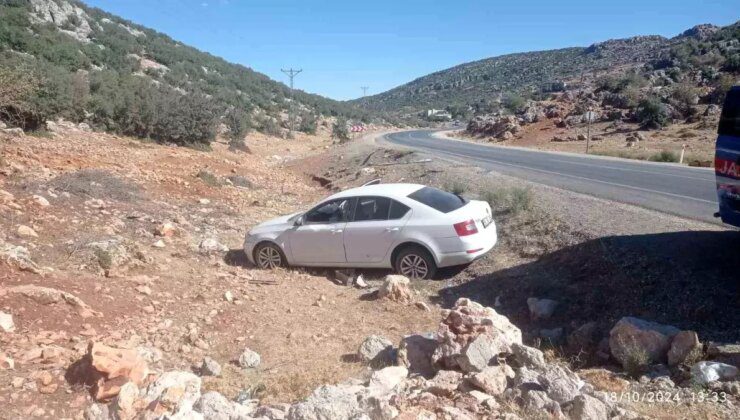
269,256
415,263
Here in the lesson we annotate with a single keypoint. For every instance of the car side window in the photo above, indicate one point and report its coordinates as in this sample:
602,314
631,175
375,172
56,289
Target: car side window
331,212
398,210
372,208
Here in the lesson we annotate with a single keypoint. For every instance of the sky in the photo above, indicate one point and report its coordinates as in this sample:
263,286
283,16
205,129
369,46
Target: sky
342,45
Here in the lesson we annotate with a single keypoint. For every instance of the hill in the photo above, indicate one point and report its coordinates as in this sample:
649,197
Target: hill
477,87
63,59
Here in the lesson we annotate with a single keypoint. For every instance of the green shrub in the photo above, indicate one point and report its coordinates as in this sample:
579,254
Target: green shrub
209,178
340,131
513,200
514,103
237,122
456,187
309,123
732,64
664,156
651,113
684,97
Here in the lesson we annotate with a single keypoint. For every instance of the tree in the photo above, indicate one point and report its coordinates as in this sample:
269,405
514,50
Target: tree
309,123
651,113
339,130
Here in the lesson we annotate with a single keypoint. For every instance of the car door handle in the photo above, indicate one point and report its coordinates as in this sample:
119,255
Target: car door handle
391,229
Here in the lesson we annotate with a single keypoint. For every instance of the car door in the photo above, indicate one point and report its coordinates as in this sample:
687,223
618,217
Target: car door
373,228
319,239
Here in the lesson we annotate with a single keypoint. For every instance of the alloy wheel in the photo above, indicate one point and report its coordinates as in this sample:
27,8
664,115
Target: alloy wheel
269,257
414,266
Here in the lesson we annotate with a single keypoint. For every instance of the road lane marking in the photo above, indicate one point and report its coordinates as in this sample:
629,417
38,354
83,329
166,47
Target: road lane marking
615,184
634,170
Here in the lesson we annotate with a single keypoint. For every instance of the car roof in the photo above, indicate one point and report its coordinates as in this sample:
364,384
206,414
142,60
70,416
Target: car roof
385,190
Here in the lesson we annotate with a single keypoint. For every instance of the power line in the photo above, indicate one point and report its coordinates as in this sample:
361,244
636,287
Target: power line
291,118
364,90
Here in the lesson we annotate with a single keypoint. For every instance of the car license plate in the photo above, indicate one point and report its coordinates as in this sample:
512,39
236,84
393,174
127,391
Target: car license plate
486,221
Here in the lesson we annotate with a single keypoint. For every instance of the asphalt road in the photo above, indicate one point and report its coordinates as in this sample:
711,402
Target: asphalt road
679,190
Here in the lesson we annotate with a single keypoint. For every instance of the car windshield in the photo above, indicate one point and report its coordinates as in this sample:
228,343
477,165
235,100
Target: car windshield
439,200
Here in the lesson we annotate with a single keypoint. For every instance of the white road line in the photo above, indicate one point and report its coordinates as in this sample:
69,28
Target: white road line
633,170
614,184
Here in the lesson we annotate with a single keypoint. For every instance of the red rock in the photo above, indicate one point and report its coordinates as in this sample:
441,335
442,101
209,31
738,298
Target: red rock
116,366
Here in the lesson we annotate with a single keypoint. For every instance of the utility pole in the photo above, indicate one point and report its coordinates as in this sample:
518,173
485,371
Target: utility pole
364,90
291,118
589,117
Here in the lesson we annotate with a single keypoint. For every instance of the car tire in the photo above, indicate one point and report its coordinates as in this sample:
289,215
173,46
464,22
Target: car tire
415,263
269,256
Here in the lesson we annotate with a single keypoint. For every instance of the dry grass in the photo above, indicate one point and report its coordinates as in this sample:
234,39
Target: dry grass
96,183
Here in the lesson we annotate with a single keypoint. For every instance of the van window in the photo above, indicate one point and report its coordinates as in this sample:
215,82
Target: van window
729,122
438,199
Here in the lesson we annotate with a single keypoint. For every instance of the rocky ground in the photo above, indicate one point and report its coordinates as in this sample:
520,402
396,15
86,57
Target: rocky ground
124,294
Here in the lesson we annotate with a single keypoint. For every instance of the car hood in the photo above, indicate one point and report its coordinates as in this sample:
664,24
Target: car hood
276,224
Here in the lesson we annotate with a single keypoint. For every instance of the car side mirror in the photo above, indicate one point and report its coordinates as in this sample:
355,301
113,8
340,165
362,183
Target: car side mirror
298,221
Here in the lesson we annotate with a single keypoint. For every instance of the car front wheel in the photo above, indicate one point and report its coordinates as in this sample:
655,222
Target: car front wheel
415,263
269,256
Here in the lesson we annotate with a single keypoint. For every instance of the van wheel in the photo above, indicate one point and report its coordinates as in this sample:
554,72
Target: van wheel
269,256
415,263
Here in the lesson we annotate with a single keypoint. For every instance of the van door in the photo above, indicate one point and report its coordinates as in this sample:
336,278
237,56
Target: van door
727,159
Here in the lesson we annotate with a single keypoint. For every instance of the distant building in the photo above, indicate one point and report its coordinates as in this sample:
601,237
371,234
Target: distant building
438,115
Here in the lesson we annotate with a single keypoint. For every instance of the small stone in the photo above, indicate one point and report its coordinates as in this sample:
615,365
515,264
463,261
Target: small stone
26,232
41,201
204,201
6,322
249,359
144,290
541,308
395,288
6,363
210,367
228,296
159,244
423,306
528,356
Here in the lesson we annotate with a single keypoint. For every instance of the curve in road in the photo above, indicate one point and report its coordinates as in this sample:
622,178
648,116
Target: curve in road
679,190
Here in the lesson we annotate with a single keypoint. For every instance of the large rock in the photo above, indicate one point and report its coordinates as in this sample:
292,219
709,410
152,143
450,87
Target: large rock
634,339
560,383
395,288
685,347
495,126
445,383
214,406
327,403
478,353
541,308
536,402
707,371
492,380
586,407
210,367
469,333
173,394
377,351
415,352
725,353
113,367
384,380
211,246
528,356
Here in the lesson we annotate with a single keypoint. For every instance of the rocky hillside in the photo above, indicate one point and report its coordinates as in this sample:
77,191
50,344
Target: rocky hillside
480,86
63,59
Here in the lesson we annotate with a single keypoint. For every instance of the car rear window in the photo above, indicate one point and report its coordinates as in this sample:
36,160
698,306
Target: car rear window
438,199
729,122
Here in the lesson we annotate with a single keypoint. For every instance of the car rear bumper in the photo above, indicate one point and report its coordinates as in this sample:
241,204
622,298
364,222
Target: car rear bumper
475,248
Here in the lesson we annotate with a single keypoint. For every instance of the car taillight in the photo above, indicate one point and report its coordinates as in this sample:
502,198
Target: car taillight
465,228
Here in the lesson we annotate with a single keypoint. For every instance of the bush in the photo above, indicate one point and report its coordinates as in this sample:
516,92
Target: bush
16,88
732,64
456,187
514,103
309,123
721,87
237,122
511,201
340,131
209,178
651,113
271,127
684,97
664,156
